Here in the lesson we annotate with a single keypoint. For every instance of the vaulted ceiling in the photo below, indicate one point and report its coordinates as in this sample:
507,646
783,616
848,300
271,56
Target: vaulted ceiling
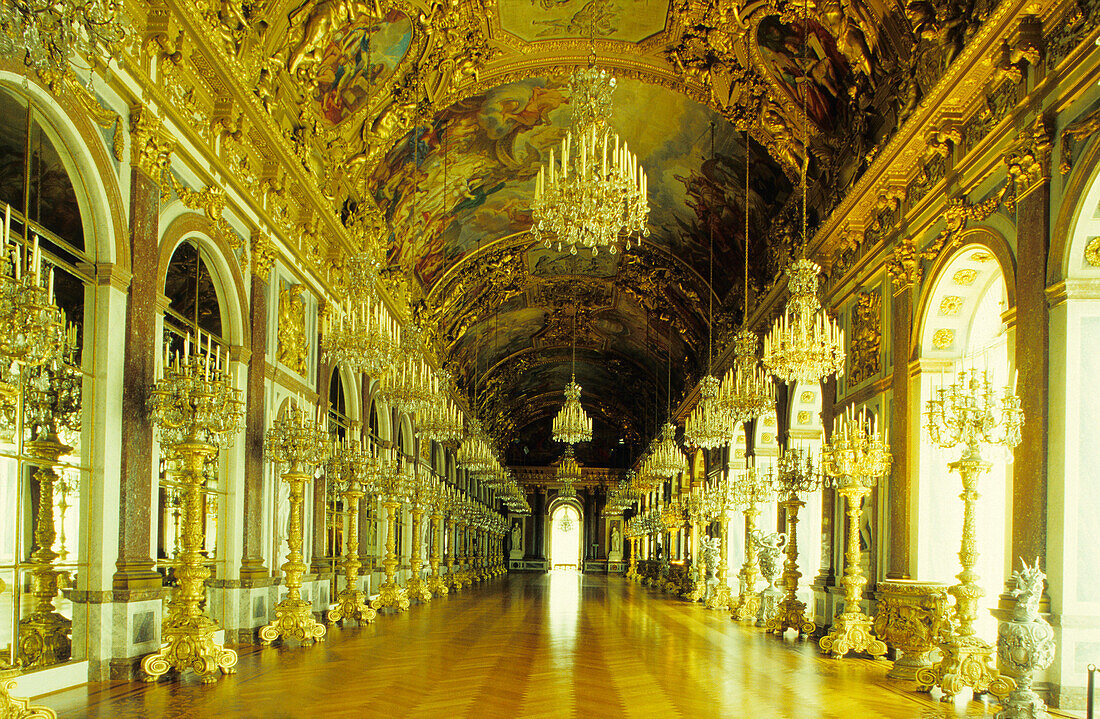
441,115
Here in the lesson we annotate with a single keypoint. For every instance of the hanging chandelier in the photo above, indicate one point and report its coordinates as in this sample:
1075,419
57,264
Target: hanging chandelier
50,34
667,460
597,197
710,423
804,345
747,392
568,472
475,453
408,383
441,420
362,338
572,425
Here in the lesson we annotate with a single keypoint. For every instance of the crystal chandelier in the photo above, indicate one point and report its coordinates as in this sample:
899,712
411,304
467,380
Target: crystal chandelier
746,391
710,423
475,453
361,338
32,326
50,33
441,420
667,460
598,197
804,345
407,385
572,425
568,472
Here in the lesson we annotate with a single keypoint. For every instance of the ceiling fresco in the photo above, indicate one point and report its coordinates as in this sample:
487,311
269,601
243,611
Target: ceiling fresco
625,20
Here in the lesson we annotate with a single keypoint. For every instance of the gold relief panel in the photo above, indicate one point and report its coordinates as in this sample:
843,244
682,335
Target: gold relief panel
981,257
767,438
769,421
950,305
1092,252
292,345
943,339
807,397
739,453
964,278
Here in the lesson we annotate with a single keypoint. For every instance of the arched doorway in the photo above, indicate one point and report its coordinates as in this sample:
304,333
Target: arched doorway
565,536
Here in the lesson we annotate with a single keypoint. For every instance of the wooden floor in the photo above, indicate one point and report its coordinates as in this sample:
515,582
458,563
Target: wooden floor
558,645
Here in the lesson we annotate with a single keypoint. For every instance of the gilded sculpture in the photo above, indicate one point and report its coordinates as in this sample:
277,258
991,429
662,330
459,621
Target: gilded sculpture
292,350
866,337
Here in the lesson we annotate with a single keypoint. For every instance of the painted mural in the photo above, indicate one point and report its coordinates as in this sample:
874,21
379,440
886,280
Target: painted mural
625,20
358,61
805,49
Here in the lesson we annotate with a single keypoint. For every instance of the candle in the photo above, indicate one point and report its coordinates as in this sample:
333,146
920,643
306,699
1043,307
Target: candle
7,225
51,283
187,346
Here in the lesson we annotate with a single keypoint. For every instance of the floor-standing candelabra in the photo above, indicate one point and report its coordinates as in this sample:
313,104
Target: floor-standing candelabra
452,506
51,405
969,414
854,458
796,476
301,443
749,487
353,472
393,487
196,410
420,492
437,504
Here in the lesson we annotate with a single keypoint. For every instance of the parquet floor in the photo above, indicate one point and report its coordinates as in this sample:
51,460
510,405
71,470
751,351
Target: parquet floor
558,645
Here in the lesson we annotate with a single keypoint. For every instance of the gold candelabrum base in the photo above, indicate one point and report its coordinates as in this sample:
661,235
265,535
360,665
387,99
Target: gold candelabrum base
632,565
436,584
722,598
45,635
351,602
293,615
909,617
188,634
390,594
967,660
15,707
415,586
453,563
747,605
852,629
790,612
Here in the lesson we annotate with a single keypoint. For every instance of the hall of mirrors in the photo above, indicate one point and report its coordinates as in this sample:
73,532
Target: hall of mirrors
769,324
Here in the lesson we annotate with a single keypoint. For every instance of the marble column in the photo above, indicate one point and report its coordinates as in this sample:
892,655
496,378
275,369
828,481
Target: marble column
252,561
134,566
900,484
1029,472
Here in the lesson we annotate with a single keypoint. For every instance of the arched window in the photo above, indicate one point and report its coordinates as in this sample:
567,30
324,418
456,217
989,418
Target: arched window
963,330
38,189
194,311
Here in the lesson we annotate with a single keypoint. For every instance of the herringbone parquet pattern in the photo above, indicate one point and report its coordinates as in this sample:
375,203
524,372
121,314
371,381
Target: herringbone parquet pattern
557,646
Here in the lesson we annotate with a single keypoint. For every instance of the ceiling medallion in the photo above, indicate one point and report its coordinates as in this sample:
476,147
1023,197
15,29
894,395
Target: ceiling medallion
804,345
596,196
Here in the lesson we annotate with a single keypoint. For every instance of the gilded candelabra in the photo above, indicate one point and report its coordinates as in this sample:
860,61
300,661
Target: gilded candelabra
420,490
393,486
749,487
966,413
796,476
855,457
695,508
301,443
51,405
196,410
354,472
452,562
437,505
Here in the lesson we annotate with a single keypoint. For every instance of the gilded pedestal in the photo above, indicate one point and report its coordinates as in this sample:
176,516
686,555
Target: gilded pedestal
436,584
390,594
967,659
747,605
294,615
722,597
416,587
351,603
909,617
44,636
790,612
188,634
851,630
